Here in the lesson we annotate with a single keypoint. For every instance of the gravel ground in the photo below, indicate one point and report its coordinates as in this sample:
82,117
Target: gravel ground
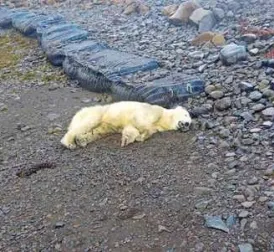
161,195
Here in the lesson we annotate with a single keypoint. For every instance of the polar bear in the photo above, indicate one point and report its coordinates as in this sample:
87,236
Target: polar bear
135,121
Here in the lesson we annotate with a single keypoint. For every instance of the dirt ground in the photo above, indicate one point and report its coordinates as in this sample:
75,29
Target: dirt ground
103,197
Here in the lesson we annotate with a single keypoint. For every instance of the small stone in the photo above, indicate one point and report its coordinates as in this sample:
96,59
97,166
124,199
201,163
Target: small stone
196,55
86,100
202,190
231,221
253,181
139,217
216,222
268,113
255,95
224,133
243,214
217,94
202,68
248,204
55,130
270,205
209,89
202,205
52,116
59,224
243,223
198,14
219,13
247,116
269,171
54,87
254,51
247,141
25,128
249,37
246,86
263,199
253,225
162,229
258,107
230,14
267,124
240,198
223,104
199,247
3,107
245,247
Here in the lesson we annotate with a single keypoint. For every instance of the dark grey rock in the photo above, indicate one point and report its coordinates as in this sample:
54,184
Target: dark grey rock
231,221
223,103
216,222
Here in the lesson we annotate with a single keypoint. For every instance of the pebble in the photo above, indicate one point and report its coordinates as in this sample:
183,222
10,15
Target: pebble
269,171
270,205
231,221
246,86
267,124
216,222
245,247
196,55
3,107
239,198
268,113
217,94
248,204
202,205
255,95
254,51
223,103
59,224
253,225
162,229
263,199
53,87
53,116
203,190
243,214
253,181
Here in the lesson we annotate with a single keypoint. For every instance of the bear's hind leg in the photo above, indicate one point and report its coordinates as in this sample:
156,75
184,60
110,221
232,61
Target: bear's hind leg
84,139
82,128
145,135
129,135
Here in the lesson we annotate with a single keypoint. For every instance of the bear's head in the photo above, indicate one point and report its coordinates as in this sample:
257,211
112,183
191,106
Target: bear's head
181,119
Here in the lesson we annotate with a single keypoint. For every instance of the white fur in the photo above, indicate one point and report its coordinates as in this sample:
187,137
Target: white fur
136,121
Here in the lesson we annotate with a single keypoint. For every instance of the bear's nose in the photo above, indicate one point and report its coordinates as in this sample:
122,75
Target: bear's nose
186,124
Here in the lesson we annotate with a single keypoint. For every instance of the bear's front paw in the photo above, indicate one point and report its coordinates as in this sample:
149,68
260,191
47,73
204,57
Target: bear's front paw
126,140
81,141
67,144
